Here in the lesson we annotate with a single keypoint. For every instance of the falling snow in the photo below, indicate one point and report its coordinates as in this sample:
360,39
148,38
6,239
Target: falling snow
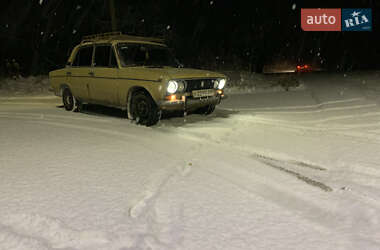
294,6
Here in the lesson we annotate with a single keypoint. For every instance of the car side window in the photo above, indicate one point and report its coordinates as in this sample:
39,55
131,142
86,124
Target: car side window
83,57
104,56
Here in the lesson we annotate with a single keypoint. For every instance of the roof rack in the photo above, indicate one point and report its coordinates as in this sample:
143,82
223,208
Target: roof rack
121,36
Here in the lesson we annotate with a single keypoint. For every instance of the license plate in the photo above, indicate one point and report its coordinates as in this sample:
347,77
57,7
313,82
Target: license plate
203,93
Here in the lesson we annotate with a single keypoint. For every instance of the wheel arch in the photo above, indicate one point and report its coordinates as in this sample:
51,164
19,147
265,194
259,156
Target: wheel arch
130,94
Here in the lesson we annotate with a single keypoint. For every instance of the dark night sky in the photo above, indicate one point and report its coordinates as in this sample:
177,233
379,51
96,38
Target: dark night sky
215,34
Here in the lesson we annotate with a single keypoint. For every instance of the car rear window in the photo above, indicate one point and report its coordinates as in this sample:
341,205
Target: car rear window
84,57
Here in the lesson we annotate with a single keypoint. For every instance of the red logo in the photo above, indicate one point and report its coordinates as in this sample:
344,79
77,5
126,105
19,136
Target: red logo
321,19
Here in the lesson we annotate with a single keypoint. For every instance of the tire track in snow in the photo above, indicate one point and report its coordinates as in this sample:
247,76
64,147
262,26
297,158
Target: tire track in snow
51,117
316,111
266,160
45,231
162,221
298,108
324,120
294,162
13,240
257,184
299,176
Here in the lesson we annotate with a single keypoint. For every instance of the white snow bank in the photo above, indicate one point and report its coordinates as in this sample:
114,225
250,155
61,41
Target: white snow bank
247,82
30,86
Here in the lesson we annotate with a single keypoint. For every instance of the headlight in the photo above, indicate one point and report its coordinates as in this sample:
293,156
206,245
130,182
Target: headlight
216,84
222,83
181,86
172,87
176,86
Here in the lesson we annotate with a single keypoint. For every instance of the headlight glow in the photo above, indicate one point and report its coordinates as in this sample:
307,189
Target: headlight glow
172,87
222,83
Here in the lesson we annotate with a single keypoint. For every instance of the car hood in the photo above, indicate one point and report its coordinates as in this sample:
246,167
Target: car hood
167,73
187,73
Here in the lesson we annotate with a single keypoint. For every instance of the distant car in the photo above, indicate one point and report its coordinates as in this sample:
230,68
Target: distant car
303,68
137,74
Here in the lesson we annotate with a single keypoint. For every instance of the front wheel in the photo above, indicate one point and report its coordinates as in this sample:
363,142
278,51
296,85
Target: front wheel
206,110
144,110
68,99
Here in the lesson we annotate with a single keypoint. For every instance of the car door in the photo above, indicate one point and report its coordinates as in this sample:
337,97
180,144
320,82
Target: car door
80,73
104,82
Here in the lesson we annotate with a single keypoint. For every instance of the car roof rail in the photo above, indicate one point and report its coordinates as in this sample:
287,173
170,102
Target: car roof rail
121,36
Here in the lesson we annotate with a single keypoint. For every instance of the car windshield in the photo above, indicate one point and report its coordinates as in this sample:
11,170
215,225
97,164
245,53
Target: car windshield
133,54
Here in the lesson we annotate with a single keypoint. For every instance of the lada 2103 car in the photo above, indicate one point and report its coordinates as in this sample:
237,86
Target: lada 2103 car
137,74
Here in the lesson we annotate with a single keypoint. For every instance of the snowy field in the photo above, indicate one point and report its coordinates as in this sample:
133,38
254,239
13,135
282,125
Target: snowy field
276,169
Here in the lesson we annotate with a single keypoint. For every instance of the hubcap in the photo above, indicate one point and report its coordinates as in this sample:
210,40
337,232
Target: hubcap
68,100
142,108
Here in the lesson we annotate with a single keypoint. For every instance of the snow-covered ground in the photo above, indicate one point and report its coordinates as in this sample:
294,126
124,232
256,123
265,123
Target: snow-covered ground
268,170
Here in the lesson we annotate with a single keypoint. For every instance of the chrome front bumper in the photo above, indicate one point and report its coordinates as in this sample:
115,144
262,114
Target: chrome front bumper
189,103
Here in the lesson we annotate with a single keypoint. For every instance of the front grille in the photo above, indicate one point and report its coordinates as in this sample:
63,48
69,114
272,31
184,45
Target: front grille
197,84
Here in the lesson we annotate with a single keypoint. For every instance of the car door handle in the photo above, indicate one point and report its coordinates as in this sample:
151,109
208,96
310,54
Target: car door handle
68,73
91,73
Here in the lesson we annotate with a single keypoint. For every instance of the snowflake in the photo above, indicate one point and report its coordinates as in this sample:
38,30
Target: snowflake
294,6
74,32
168,27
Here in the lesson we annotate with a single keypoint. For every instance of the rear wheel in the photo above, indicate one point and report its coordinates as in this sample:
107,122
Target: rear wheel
68,99
206,110
144,109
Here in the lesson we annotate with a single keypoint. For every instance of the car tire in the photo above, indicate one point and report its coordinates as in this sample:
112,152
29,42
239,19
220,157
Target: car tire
68,99
206,110
144,109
